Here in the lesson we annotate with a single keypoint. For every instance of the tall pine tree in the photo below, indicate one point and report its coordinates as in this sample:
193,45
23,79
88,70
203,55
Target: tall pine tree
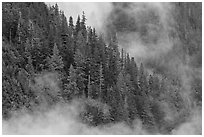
55,62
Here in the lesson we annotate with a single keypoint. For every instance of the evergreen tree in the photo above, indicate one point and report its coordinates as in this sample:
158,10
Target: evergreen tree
71,89
83,25
56,25
134,73
80,43
122,59
71,27
56,9
77,27
29,67
64,28
55,62
19,28
154,86
101,83
117,104
93,68
124,91
21,34
142,81
113,61
128,65
121,85
79,60
71,24
150,84
130,104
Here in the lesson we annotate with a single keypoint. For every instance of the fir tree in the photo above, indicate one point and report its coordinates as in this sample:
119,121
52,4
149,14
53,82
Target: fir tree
83,25
55,62
71,27
134,73
113,60
79,60
71,24
101,83
142,81
121,85
77,27
71,89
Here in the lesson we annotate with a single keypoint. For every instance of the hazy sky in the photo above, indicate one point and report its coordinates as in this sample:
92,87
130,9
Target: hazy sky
95,12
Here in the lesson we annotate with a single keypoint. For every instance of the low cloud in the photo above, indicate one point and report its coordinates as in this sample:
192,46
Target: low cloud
63,119
147,39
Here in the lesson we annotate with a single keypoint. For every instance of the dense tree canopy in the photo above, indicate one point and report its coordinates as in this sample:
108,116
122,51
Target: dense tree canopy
39,39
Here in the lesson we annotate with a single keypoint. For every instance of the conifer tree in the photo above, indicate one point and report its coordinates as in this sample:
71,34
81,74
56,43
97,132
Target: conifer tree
19,28
80,43
77,27
117,104
122,59
101,83
142,81
29,66
71,27
79,60
56,9
71,89
150,84
83,25
121,85
64,27
128,65
113,60
71,24
21,34
134,73
55,62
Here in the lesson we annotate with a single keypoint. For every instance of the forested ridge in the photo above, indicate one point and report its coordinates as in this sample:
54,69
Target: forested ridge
48,58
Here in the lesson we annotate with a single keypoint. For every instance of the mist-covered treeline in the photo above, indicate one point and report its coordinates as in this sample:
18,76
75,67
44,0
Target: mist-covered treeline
48,59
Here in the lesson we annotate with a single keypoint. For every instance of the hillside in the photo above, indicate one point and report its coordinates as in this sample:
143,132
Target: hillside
145,69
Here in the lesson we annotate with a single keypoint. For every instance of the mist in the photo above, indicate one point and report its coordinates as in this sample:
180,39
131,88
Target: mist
63,119
147,32
143,29
96,13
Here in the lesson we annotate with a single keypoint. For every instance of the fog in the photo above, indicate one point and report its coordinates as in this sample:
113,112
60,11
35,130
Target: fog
62,119
143,29
147,32
96,13
192,126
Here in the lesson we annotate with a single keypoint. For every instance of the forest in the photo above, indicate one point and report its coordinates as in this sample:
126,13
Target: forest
48,59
